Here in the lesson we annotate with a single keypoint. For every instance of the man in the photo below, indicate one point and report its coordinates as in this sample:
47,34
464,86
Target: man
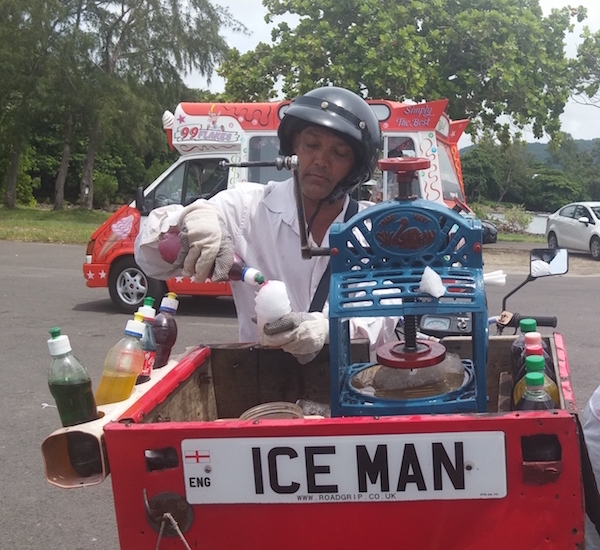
336,137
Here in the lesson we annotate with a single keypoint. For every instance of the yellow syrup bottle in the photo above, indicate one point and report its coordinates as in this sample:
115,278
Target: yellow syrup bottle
123,364
536,363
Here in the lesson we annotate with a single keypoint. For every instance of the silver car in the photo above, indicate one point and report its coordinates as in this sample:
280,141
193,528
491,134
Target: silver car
575,226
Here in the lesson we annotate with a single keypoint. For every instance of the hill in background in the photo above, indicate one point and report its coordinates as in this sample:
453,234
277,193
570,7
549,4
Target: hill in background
539,150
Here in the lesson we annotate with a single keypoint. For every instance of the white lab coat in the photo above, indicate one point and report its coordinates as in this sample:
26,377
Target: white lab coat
591,431
263,223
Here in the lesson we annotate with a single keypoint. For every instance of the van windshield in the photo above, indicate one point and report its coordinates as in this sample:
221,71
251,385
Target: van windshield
450,183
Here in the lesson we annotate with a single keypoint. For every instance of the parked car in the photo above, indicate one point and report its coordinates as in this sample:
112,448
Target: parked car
575,226
490,232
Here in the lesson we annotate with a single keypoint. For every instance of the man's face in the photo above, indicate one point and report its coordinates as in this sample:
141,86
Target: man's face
324,158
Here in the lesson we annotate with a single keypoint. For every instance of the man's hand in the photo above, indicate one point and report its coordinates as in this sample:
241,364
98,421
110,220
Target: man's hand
301,334
206,246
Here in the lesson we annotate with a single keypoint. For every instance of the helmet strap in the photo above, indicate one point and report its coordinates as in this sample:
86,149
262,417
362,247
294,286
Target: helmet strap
313,217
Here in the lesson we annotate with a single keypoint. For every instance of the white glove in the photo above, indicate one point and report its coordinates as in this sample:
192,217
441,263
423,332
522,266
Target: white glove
206,246
301,334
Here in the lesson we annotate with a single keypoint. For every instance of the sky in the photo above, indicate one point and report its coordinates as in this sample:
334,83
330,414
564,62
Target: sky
581,121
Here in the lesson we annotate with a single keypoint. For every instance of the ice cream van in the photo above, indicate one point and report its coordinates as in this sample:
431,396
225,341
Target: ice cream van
205,134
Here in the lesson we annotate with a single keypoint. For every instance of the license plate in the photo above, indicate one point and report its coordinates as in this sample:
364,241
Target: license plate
354,468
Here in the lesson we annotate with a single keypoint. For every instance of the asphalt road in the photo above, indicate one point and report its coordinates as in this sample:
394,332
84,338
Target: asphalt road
43,286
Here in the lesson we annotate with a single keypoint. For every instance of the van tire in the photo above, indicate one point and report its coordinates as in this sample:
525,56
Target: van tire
128,285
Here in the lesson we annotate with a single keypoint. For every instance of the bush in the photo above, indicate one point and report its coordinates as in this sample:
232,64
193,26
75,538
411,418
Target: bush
516,219
482,211
26,185
105,189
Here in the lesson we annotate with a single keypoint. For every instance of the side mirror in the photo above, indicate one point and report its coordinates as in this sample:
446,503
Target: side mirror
584,219
139,200
544,262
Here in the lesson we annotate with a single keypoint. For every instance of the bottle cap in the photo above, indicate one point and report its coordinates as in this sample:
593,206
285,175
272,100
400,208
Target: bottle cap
534,379
135,326
170,302
147,311
528,325
534,349
533,337
534,363
59,343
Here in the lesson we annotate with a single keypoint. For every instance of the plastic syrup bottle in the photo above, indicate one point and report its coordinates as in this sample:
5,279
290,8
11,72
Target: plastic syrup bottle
534,345
169,245
536,363
164,329
123,364
69,382
70,385
241,272
535,397
148,341
518,345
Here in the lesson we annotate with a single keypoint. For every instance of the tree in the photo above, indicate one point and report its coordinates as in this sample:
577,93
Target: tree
550,189
148,40
586,69
82,59
498,171
478,169
28,35
579,167
490,58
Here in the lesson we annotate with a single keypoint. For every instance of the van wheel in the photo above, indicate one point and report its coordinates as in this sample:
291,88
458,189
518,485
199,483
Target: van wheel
128,285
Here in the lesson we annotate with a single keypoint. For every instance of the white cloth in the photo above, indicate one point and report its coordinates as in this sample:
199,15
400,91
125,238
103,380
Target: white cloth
591,431
539,268
263,223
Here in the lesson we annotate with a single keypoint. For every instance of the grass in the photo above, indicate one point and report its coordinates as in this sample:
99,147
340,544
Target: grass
75,226
521,238
72,226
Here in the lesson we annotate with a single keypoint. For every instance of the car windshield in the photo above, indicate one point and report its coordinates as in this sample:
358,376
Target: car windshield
596,211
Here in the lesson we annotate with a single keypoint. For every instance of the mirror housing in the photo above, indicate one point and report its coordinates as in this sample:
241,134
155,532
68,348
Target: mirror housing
544,262
139,200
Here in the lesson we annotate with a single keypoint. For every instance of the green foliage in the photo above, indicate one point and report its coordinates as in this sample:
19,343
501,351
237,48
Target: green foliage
105,189
26,183
488,58
478,169
516,219
482,210
513,217
508,173
90,73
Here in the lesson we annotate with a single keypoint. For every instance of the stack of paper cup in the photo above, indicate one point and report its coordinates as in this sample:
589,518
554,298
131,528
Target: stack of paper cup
495,278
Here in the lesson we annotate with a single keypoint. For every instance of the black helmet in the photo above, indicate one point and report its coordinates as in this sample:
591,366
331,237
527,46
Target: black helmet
346,114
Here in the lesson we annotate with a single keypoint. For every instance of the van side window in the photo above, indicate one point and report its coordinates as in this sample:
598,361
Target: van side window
265,148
